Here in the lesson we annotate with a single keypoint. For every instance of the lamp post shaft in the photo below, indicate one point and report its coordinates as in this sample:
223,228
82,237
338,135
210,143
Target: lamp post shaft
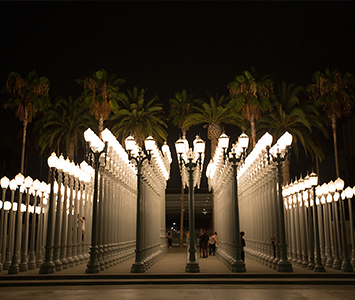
319,266
192,264
48,267
138,265
238,266
93,264
283,265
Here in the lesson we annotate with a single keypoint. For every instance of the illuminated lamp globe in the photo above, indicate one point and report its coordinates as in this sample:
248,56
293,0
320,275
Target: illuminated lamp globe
243,140
313,178
19,179
331,187
52,160
5,182
149,143
339,184
13,185
199,145
130,143
223,141
349,192
180,146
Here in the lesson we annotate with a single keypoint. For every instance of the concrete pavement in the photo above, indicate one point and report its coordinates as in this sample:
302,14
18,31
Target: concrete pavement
170,269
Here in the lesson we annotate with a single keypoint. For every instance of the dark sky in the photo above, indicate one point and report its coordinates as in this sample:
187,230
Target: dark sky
169,46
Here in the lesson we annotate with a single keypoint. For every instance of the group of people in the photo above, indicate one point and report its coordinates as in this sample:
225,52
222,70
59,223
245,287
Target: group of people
210,242
207,240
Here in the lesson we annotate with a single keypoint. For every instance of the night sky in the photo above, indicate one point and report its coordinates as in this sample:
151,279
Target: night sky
169,46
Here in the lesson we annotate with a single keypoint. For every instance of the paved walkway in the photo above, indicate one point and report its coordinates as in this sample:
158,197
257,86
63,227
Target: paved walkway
171,269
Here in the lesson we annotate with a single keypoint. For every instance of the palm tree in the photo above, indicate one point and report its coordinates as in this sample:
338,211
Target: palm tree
28,95
63,124
101,95
180,109
299,118
253,96
139,118
213,114
334,93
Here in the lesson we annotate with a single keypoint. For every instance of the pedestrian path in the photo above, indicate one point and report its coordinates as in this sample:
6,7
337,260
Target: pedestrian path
171,269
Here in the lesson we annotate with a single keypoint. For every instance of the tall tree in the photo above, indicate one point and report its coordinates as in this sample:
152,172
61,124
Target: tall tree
101,94
253,96
28,95
180,109
335,94
213,113
139,117
292,113
63,124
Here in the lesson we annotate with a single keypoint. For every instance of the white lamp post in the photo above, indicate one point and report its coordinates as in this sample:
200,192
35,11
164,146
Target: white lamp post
14,267
94,149
48,267
278,154
4,184
319,266
345,265
234,159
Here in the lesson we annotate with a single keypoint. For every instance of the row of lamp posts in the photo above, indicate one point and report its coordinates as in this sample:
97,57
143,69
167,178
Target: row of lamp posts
324,236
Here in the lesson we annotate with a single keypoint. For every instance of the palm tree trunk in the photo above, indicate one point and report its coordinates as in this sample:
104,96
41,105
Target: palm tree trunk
25,122
101,125
334,128
214,143
71,150
253,130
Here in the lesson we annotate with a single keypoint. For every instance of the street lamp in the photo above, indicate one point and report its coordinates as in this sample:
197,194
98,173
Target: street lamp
236,155
314,182
138,155
48,267
345,265
349,192
194,162
278,154
4,184
14,267
94,149
335,197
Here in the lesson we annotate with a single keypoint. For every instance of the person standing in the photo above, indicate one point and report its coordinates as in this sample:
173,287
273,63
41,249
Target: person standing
212,243
82,227
204,241
242,242
170,239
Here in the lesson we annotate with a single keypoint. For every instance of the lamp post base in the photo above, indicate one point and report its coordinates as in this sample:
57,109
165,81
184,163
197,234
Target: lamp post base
138,268
319,268
238,266
284,266
346,267
192,267
93,265
47,268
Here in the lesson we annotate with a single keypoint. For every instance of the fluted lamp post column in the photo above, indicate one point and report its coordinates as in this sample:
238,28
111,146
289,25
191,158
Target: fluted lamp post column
4,184
94,149
237,155
191,164
314,182
349,192
48,266
278,154
14,267
138,155
345,264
